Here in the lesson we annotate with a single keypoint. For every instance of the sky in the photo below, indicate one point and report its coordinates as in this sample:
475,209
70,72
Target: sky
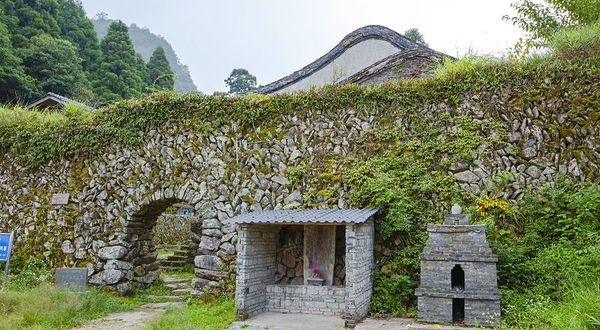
273,38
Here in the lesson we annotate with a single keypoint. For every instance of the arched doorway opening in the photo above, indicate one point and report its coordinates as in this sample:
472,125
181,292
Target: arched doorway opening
149,256
458,278
174,238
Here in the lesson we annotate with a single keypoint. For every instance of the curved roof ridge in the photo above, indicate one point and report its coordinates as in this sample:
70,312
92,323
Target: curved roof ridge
358,35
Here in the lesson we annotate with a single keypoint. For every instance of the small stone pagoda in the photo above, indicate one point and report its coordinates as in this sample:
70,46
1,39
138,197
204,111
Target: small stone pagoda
458,274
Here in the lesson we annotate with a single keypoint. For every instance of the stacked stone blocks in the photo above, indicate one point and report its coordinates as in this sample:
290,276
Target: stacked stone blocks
323,300
476,296
256,291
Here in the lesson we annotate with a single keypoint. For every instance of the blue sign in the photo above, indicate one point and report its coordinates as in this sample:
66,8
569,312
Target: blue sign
186,212
4,246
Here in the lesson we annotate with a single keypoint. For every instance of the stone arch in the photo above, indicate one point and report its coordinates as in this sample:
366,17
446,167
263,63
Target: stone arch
129,260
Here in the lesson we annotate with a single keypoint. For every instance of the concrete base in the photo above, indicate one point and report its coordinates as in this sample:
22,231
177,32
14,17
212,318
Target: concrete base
282,321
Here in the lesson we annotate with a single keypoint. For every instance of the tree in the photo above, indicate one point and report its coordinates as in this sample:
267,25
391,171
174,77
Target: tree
542,20
26,19
120,74
415,35
14,83
240,81
55,66
79,30
161,76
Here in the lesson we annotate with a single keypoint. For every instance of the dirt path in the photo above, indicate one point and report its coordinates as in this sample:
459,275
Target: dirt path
138,318
131,320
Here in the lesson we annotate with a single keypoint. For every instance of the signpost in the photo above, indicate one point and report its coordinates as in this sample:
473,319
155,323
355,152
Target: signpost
6,241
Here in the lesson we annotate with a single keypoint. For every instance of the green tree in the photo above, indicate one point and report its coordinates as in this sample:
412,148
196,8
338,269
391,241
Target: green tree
542,20
55,66
161,76
240,81
121,75
14,83
26,19
415,35
79,30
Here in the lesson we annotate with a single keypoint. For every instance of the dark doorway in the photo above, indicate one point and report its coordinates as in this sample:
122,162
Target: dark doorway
458,310
458,278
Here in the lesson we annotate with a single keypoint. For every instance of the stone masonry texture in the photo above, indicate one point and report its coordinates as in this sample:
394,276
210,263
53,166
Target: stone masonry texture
257,264
464,246
117,196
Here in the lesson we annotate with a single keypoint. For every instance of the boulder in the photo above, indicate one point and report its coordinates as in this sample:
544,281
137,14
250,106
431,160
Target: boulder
107,277
208,262
112,252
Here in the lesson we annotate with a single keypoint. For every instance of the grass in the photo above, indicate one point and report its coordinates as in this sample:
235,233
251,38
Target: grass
165,252
200,315
579,310
187,272
48,307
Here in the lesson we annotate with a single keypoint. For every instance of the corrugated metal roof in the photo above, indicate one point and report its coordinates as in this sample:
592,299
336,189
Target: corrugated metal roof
304,216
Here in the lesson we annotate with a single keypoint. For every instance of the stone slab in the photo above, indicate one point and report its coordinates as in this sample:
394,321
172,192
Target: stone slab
319,246
72,278
60,199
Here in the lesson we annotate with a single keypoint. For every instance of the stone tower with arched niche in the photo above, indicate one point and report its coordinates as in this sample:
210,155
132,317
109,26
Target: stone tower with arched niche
458,274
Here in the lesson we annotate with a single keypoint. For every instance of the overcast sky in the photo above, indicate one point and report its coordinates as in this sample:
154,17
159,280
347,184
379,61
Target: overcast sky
273,38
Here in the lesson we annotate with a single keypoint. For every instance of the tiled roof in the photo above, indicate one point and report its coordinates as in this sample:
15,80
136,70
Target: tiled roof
364,33
59,99
322,216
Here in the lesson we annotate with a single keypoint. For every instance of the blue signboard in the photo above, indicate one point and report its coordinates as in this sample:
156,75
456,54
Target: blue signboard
4,246
186,212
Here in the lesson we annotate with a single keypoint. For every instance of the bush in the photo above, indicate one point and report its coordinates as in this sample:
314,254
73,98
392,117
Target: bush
30,274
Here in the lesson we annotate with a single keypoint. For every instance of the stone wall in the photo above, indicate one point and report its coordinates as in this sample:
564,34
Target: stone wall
290,249
116,197
173,229
339,269
360,261
256,263
323,300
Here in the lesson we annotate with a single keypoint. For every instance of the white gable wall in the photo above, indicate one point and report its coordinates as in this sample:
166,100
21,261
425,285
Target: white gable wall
354,59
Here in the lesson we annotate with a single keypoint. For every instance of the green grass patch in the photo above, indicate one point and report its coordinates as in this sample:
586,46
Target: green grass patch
48,307
186,273
165,252
200,315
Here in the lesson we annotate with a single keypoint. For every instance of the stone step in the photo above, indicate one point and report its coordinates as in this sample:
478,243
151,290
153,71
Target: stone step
172,268
173,263
170,298
175,280
177,258
176,286
182,291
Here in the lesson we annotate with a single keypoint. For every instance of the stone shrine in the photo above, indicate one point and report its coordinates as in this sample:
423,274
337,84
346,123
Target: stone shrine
259,286
458,274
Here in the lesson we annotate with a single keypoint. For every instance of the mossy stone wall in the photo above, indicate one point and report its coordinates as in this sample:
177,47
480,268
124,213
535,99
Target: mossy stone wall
292,159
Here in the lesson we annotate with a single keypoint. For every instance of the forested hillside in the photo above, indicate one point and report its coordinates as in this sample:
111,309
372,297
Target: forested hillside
145,42
51,46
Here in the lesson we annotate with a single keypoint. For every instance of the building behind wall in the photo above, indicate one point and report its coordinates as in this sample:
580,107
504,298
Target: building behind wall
458,275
